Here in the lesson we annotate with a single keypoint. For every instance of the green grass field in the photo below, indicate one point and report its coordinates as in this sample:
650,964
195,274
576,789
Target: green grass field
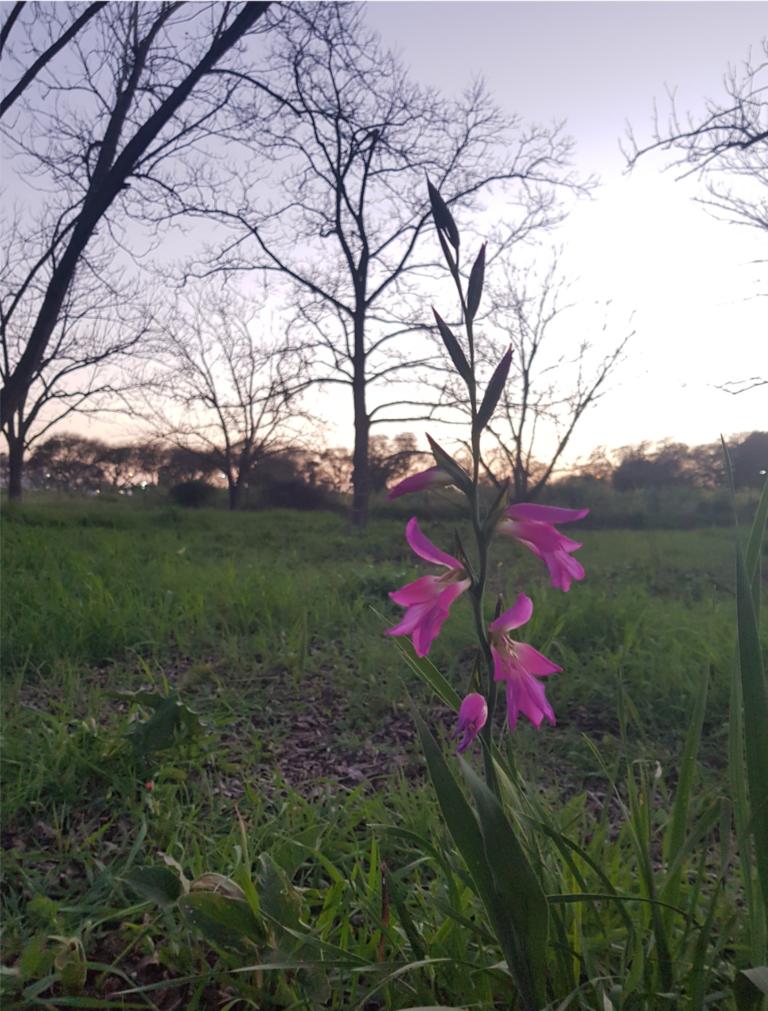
270,626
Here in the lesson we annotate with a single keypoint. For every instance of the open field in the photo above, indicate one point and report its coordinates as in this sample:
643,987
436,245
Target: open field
270,625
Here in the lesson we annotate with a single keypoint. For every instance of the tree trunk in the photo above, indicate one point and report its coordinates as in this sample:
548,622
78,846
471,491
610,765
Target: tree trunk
15,466
358,516
235,494
520,480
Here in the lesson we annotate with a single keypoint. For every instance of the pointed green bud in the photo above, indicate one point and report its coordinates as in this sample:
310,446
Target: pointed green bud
454,349
443,217
458,475
475,289
493,392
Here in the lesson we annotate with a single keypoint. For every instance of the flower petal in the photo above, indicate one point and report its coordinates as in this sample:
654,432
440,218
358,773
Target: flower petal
426,549
500,669
412,617
429,626
513,702
517,615
430,478
541,535
545,514
533,702
563,569
419,592
535,662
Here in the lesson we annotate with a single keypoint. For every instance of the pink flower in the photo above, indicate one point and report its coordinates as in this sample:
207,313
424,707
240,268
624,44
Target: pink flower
532,526
431,478
472,717
428,599
517,663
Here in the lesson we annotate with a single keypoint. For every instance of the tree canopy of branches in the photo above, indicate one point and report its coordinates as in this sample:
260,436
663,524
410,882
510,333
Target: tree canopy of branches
552,380
101,322
727,147
674,464
102,129
350,138
730,141
223,392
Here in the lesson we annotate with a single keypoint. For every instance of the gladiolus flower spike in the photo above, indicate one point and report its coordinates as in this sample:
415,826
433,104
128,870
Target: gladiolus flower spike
425,479
428,600
520,665
472,717
532,526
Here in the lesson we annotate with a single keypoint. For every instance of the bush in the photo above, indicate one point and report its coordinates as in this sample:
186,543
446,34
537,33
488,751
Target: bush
193,494
295,495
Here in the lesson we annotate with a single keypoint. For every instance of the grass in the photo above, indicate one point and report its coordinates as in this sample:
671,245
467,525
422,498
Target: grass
265,623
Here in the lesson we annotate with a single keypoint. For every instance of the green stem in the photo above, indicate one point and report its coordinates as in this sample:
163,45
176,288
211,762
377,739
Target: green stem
477,593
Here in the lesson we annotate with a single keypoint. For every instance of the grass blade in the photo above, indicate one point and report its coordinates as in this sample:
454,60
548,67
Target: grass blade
755,700
753,713
753,549
675,836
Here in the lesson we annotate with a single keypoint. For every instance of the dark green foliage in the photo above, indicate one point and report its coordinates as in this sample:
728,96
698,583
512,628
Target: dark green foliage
192,494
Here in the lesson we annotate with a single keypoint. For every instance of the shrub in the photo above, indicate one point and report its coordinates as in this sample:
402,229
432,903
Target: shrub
193,494
295,495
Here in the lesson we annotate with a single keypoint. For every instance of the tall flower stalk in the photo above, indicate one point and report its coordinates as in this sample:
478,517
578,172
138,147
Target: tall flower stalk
503,877
428,598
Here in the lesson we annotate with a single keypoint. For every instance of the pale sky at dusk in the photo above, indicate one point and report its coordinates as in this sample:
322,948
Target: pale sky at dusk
693,287
641,241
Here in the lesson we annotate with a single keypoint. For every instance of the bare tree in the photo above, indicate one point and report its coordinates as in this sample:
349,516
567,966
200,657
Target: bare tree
548,389
139,86
56,40
742,385
349,138
224,392
101,322
729,141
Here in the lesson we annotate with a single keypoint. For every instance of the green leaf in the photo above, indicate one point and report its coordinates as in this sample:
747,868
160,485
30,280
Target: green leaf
475,287
423,668
519,891
493,392
36,959
170,717
458,815
758,978
159,884
228,923
454,350
143,697
521,953
750,986
460,478
219,885
158,732
755,699
754,690
279,899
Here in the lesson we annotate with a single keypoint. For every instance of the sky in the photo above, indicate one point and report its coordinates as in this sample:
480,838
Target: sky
688,282
693,289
